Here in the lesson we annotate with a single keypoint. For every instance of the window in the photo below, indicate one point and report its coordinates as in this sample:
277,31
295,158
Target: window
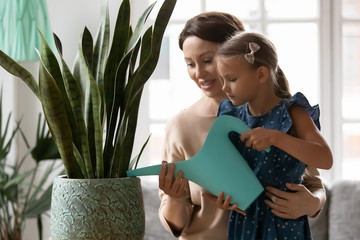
349,72
318,59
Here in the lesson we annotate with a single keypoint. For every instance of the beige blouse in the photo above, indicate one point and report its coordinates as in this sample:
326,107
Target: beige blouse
184,137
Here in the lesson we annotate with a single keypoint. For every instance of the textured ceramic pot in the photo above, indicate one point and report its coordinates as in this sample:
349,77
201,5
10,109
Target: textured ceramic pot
110,208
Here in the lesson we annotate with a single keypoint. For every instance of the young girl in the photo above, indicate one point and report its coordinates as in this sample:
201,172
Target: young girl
259,95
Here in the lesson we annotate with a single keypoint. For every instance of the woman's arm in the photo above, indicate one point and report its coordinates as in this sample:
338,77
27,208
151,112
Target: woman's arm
176,210
308,146
308,199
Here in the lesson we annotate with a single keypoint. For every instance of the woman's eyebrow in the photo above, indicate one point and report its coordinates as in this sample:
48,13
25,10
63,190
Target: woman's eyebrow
201,55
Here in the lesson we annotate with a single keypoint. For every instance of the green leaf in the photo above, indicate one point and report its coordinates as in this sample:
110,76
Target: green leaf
119,42
49,61
134,162
58,44
81,162
134,90
148,66
87,46
16,180
45,149
55,113
116,107
75,94
17,70
101,47
40,205
139,28
95,105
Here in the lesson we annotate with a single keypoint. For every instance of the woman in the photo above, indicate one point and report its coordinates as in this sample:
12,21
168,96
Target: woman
186,209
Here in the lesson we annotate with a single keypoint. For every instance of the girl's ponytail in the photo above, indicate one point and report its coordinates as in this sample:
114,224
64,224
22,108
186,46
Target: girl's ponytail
281,84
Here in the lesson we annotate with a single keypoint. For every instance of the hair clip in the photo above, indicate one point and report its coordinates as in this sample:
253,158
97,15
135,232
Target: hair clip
249,57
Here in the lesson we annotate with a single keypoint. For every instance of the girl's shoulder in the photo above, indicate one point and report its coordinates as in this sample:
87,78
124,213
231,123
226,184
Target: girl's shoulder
298,99
227,108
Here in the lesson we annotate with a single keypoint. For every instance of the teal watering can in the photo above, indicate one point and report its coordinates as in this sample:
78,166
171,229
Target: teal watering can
218,166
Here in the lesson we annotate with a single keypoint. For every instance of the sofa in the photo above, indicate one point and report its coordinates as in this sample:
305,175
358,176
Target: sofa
339,220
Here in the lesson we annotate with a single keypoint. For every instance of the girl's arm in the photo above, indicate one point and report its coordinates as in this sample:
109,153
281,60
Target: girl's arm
308,146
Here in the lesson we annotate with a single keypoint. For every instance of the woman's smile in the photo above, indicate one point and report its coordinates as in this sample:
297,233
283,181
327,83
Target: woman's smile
207,85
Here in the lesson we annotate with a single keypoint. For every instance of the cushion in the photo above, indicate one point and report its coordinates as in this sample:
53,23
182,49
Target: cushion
344,211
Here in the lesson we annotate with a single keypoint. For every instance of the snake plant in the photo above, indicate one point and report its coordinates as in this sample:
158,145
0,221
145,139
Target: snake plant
92,110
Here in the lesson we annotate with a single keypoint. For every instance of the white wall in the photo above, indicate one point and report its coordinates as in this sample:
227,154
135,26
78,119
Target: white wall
68,19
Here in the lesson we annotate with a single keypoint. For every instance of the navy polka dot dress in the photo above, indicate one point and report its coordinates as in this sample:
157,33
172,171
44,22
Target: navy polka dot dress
274,168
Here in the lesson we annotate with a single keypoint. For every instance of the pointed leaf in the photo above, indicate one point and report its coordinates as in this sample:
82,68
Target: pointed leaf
139,28
45,149
75,94
15,69
58,44
147,68
87,46
55,113
81,162
101,46
39,206
119,42
17,179
51,64
95,104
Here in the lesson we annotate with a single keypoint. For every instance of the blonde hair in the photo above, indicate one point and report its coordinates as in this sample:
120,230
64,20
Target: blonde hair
265,56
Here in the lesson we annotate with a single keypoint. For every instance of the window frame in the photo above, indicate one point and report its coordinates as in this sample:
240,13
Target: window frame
329,22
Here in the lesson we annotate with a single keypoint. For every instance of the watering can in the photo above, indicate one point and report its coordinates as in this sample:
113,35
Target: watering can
218,166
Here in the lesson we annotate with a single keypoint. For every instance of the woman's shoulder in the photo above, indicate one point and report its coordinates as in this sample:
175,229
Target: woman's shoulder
180,120
187,120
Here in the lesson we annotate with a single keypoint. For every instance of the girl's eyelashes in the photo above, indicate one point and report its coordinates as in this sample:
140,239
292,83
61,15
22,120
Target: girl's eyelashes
227,79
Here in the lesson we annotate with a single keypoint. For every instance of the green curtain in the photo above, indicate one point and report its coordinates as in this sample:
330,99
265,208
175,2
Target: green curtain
19,20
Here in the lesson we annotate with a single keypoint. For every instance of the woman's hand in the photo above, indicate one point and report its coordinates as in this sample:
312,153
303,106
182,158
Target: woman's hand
174,187
292,205
223,204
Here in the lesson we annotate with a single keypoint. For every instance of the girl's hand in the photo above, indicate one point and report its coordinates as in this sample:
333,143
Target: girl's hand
258,138
223,204
292,205
174,187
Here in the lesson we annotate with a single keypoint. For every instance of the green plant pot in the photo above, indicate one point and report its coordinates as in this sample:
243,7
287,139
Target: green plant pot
109,208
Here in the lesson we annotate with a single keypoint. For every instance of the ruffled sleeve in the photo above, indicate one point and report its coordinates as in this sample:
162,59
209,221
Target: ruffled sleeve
299,99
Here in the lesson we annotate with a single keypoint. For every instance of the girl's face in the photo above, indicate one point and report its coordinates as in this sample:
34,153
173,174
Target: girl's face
240,81
199,57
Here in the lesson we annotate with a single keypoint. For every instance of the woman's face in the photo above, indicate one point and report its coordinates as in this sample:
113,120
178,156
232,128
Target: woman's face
199,57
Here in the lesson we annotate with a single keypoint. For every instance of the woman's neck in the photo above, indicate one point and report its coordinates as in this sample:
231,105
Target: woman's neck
206,106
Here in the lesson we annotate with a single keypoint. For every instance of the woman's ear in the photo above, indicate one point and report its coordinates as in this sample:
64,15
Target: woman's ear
263,74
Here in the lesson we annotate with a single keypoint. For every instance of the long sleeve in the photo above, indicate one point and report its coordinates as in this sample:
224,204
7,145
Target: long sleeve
173,151
184,137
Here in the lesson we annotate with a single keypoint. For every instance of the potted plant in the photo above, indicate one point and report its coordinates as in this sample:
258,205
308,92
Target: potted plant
92,115
23,197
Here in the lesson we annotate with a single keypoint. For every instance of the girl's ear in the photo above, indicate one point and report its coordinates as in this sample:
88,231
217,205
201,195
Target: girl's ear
263,74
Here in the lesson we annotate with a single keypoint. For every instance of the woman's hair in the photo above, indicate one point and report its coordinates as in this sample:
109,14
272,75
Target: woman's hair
215,27
265,56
